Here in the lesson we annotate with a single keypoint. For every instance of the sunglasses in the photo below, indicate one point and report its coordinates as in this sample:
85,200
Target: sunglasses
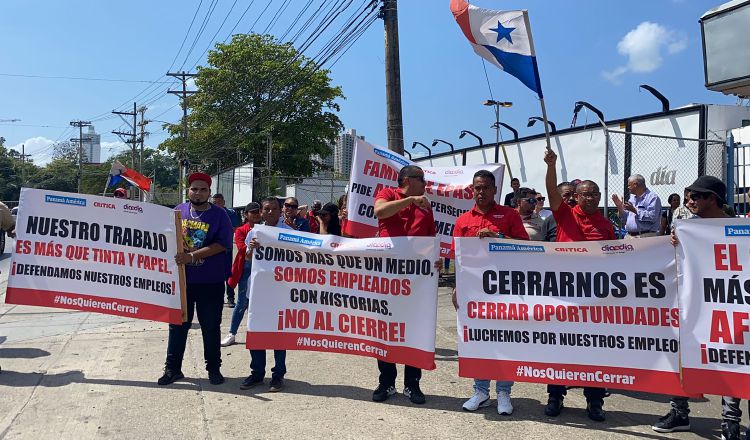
696,196
531,200
290,206
540,199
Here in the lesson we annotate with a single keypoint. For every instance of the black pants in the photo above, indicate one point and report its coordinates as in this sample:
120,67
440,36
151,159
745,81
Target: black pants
388,374
230,293
591,393
208,301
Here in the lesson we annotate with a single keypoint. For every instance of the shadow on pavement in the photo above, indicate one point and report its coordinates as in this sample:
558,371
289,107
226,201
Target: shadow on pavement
525,409
653,397
22,353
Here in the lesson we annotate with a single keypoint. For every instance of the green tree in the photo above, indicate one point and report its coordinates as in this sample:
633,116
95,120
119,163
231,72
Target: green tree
255,86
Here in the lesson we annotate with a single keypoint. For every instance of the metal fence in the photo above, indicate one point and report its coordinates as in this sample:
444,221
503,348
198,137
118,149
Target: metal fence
668,164
738,176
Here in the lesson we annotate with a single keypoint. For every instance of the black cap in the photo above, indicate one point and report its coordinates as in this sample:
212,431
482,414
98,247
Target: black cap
709,184
252,206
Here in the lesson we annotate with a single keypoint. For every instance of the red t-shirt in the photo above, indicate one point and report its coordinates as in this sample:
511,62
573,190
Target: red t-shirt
575,225
499,218
409,222
314,226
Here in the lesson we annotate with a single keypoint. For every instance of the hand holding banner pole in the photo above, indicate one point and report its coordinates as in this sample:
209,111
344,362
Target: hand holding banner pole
181,267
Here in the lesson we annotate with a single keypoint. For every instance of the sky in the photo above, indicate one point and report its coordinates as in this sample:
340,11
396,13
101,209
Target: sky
596,51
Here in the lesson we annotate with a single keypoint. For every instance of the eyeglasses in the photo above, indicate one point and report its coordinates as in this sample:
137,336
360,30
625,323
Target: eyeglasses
592,195
696,196
290,206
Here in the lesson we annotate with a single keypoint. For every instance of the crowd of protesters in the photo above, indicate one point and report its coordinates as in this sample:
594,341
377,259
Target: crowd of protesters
572,214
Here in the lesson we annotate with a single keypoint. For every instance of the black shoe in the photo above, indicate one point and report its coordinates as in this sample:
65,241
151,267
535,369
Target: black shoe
215,377
554,405
414,394
250,382
672,422
730,430
276,385
383,392
595,411
170,376
231,304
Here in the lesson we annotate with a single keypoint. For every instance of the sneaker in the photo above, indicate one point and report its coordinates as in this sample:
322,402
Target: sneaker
504,406
478,400
231,304
554,405
383,392
414,394
170,376
672,422
215,377
595,411
228,340
276,385
730,430
250,382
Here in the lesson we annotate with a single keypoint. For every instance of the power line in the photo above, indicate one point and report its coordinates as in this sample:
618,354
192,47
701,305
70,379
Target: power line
80,78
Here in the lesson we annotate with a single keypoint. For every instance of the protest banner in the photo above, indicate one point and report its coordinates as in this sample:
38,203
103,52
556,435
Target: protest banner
713,257
447,188
600,313
98,254
372,297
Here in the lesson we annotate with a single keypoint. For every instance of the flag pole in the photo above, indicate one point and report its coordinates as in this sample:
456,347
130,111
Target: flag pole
106,185
536,73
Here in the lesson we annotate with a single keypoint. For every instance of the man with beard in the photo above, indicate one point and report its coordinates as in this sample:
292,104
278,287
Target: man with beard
206,256
583,222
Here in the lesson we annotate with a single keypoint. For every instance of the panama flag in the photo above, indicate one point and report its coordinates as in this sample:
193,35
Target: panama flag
502,38
121,172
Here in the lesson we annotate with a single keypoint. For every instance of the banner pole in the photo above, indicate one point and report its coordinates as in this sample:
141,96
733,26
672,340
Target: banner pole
106,185
181,267
538,81
546,124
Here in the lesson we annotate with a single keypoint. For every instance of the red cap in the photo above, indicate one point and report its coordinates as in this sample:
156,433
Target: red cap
199,176
121,191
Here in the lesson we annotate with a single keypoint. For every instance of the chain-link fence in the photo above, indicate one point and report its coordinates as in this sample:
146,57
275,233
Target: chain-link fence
668,164
738,167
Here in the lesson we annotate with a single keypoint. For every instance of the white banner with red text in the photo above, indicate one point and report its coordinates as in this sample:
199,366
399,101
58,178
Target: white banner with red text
98,254
713,256
373,297
595,314
447,188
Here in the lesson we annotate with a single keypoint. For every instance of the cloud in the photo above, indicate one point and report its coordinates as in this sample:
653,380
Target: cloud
644,46
39,147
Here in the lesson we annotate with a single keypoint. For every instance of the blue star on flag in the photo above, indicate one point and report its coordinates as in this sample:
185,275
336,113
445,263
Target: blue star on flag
503,32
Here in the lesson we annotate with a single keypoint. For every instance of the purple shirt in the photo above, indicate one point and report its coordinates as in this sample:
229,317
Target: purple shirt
201,229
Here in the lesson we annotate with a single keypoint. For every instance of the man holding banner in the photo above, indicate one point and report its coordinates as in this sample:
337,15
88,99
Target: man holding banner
488,219
207,233
583,222
705,200
403,212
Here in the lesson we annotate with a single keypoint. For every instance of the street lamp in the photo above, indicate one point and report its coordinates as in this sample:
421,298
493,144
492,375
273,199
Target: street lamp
533,120
435,142
415,143
497,105
465,132
578,106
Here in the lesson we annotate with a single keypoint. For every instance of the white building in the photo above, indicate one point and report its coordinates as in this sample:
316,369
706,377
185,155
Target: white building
342,154
92,146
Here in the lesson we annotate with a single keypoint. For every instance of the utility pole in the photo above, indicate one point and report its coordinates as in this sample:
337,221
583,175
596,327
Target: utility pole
133,135
389,14
23,164
80,125
183,94
142,137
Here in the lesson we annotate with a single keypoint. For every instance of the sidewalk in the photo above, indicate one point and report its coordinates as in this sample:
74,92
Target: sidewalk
74,375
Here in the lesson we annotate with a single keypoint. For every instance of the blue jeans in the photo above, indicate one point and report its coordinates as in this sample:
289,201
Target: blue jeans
258,363
483,385
242,300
